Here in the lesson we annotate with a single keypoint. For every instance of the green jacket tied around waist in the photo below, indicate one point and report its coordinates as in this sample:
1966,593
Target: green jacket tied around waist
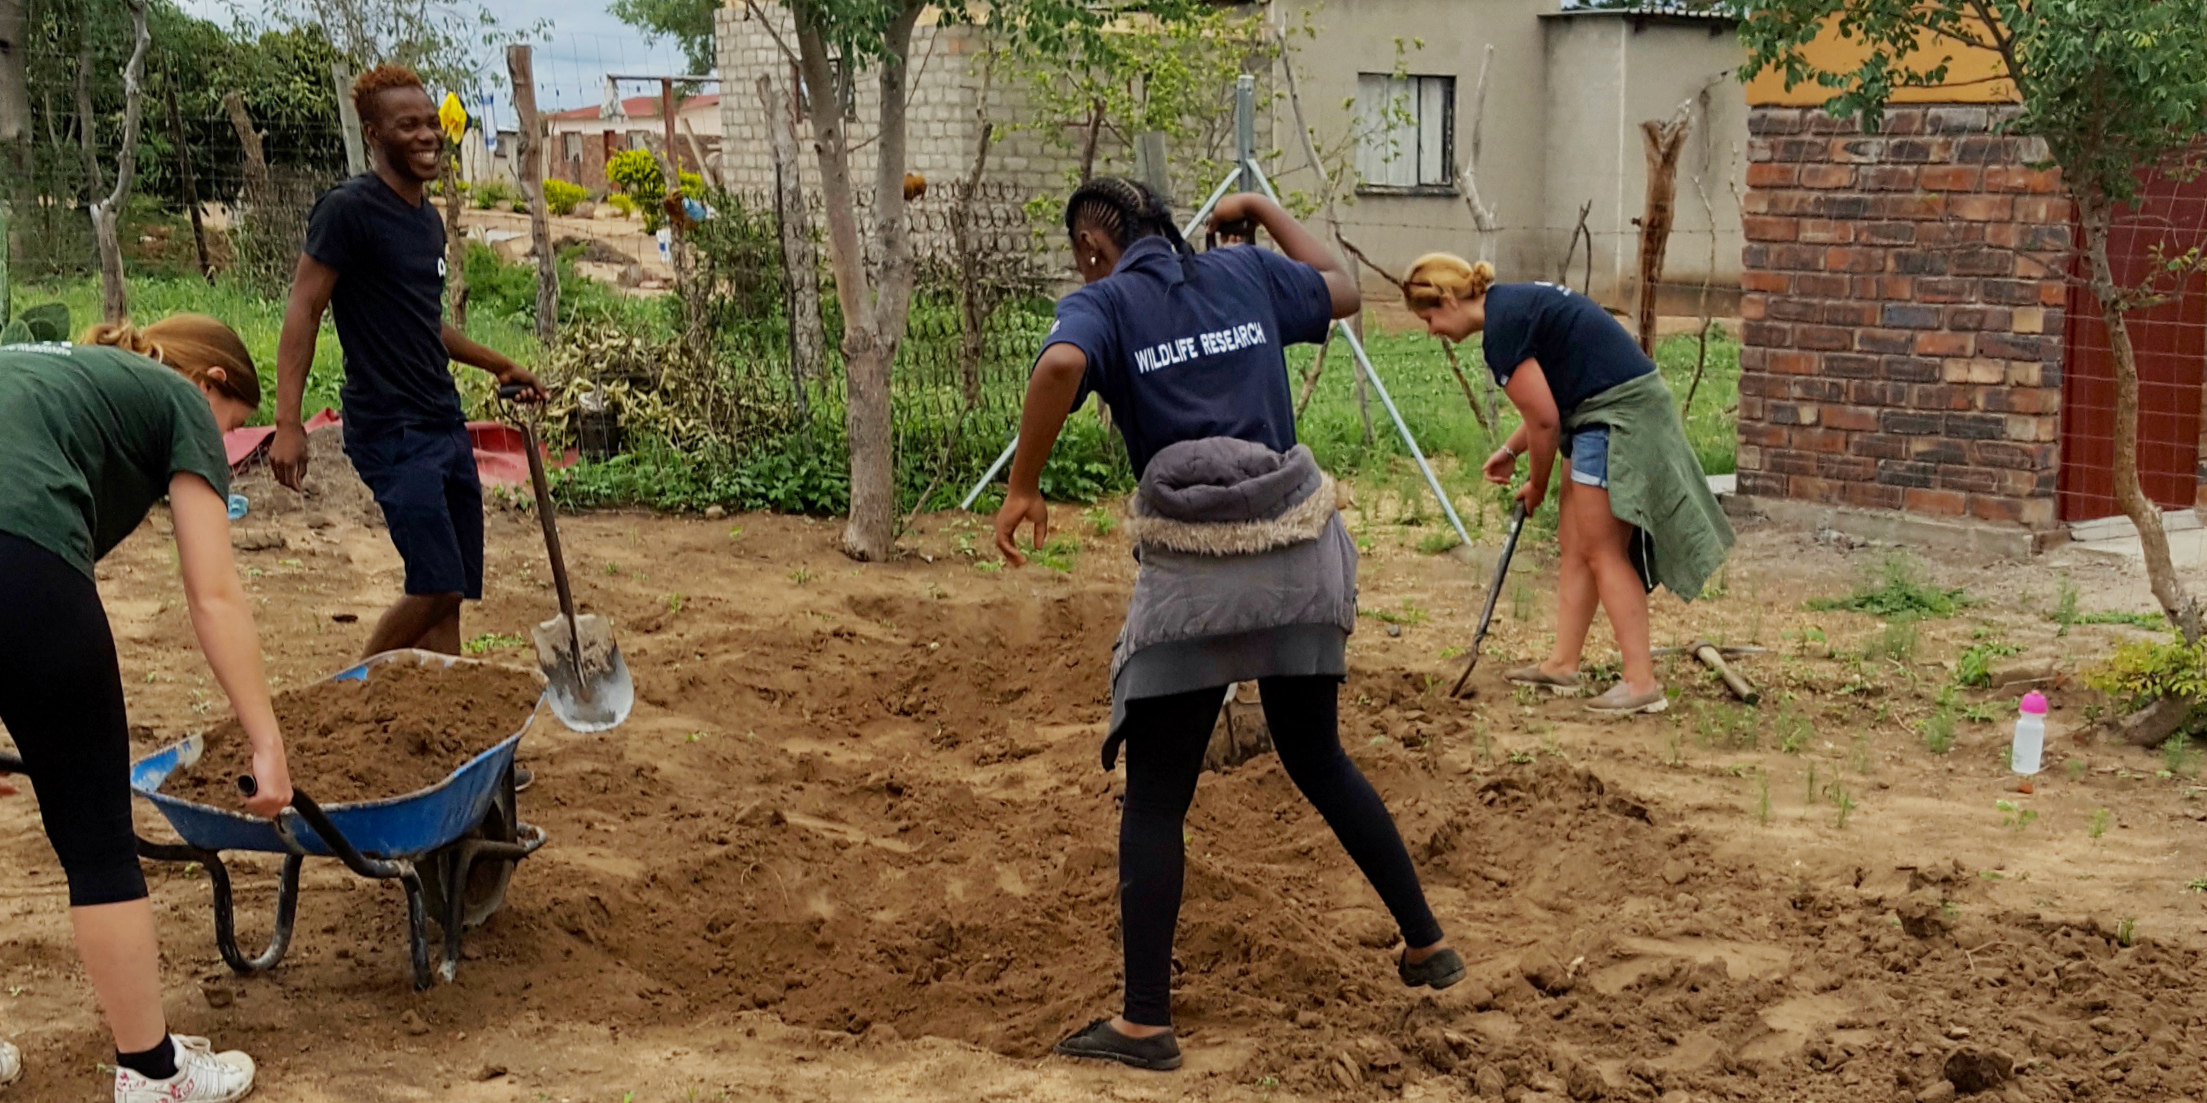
1656,482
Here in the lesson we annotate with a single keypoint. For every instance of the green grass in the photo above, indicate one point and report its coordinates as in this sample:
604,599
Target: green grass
1897,589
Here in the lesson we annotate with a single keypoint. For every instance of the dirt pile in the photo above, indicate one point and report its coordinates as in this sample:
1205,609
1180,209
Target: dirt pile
332,491
404,728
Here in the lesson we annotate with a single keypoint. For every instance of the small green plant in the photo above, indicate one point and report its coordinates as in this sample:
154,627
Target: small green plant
1809,798
1897,642
1674,747
988,566
2013,816
1100,520
1793,731
494,193
1858,756
1762,797
2065,606
2101,818
1974,667
2141,672
1408,614
1437,543
561,198
2177,758
801,575
1846,803
1897,590
491,641
636,172
1521,601
2074,769
1938,728
2126,931
1807,637
1057,553
2197,884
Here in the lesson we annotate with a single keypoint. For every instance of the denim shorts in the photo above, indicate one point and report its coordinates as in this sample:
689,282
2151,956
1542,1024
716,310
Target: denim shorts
432,499
1588,451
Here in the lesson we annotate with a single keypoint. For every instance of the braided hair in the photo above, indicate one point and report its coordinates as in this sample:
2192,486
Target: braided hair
1124,209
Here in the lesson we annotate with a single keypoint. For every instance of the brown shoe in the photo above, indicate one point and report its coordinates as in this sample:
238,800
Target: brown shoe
1533,675
1619,701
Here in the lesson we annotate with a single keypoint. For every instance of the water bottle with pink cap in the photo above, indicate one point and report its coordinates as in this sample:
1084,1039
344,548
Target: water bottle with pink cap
2030,735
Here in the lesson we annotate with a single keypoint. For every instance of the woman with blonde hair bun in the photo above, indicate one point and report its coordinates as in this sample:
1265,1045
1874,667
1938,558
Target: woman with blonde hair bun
91,436
1636,510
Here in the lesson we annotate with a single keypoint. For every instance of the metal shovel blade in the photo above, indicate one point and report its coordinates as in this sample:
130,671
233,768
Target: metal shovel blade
589,689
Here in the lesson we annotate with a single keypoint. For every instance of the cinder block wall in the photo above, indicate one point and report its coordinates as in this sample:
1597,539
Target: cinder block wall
1903,297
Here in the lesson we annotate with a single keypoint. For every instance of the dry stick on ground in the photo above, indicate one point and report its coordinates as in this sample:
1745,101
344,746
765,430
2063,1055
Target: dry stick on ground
1664,141
521,66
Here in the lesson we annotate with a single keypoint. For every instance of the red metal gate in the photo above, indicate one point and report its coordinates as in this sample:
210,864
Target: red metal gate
2171,341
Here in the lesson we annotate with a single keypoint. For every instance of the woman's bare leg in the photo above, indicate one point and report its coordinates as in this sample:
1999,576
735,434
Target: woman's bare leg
1575,584
1606,541
122,957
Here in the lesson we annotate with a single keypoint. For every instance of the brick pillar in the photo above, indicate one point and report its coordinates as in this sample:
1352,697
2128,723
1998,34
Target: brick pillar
1903,304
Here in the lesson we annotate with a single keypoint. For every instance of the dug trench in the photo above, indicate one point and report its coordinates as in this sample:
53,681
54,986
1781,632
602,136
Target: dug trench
871,808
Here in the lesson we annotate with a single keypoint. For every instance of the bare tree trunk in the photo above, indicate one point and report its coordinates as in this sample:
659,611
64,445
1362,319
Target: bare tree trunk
800,269
107,212
975,297
1310,378
1088,145
256,161
455,240
1467,175
1448,348
1664,141
529,165
185,175
874,311
2097,214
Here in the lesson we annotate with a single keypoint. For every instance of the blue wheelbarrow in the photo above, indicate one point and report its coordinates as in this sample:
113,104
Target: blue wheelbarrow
452,846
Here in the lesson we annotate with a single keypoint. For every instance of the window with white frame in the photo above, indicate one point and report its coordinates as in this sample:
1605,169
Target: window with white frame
1406,132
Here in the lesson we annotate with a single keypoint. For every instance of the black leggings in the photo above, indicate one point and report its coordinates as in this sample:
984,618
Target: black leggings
61,696
1166,737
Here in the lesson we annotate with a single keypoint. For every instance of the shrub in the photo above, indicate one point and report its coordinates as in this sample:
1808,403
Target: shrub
636,173
562,197
494,193
691,183
2144,671
622,203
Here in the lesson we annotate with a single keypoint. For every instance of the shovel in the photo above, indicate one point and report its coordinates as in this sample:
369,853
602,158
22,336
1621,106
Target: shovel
589,689
1494,590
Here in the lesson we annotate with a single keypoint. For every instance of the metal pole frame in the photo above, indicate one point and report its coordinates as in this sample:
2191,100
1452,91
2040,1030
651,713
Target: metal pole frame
1246,167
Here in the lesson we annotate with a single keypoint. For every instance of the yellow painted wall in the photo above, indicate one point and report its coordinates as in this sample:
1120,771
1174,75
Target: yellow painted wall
1974,76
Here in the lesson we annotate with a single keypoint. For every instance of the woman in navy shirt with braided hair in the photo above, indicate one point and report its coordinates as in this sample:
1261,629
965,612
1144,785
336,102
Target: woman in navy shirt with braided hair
1247,573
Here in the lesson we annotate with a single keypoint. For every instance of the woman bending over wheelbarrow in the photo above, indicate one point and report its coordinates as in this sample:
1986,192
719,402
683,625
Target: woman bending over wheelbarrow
91,435
1636,509
1247,572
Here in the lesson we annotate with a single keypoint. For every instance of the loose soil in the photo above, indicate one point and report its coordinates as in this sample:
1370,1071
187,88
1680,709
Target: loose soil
855,844
407,727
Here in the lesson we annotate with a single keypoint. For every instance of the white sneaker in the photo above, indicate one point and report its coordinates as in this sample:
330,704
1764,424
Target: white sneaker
11,1063
202,1076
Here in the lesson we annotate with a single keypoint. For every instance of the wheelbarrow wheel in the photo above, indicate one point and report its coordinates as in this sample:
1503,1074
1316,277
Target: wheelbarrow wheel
484,885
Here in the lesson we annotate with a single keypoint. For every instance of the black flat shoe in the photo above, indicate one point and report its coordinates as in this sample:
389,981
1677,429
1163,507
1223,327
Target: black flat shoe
1444,968
1158,1052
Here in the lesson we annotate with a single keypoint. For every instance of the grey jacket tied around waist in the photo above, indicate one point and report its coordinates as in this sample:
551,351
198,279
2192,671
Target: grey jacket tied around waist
1247,572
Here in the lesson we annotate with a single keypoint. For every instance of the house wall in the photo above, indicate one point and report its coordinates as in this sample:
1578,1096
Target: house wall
1904,300
1607,73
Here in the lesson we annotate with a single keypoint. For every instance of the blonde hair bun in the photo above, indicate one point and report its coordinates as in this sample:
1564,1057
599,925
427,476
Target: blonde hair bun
190,344
1437,279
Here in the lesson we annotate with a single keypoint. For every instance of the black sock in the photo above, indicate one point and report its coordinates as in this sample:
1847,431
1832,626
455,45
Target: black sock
158,1063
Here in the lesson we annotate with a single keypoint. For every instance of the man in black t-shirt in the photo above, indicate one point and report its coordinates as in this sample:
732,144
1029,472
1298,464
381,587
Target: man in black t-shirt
375,254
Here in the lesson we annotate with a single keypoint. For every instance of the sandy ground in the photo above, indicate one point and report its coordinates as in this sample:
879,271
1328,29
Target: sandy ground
855,844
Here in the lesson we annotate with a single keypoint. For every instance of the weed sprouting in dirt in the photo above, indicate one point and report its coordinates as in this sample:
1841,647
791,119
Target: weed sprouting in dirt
1058,553
1938,728
1674,747
674,602
491,641
1974,667
2013,816
1979,713
2101,818
2065,606
1896,643
1100,520
1437,543
1728,727
1808,799
2177,759
1858,756
2074,769
2197,884
1846,803
801,575
1521,602
1792,729
1897,590
1408,614
2126,931
1762,797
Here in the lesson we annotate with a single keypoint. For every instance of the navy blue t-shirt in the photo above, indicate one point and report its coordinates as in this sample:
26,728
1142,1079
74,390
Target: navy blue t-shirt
1582,350
1188,351
388,305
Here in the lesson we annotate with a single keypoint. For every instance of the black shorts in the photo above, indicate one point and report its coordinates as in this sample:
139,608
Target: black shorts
432,498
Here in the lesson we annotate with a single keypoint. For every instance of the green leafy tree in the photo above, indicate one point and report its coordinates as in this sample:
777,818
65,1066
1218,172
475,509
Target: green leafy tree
2116,89
688,22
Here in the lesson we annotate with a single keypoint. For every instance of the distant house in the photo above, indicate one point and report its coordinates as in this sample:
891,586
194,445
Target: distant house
582,140
1393,84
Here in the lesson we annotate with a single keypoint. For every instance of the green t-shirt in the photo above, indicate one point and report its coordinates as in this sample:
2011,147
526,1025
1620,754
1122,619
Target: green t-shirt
89,438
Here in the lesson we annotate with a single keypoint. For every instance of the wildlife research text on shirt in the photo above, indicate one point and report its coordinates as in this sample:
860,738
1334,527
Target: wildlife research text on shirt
1187,349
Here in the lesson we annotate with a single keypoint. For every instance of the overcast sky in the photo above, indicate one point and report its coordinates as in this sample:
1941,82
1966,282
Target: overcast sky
585,43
